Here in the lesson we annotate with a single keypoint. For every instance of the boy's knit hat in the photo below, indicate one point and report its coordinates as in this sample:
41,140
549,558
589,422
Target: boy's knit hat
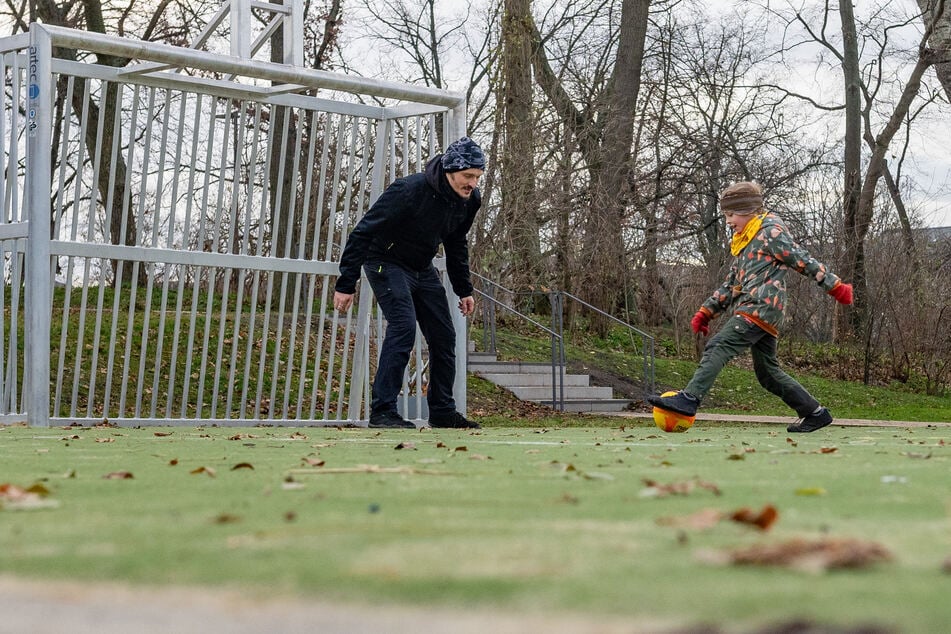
742,198
462,155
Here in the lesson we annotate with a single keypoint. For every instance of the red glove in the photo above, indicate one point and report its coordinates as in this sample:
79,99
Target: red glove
700,321
842,293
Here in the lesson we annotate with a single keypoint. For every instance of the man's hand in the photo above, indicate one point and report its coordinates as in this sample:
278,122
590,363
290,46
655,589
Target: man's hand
342,301
466,305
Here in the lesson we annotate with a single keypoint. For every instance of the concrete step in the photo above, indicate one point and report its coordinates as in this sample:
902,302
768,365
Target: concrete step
591,405
531,381
588,392
534,379
508,367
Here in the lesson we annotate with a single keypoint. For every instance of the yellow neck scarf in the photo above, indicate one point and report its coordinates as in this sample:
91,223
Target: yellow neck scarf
743,238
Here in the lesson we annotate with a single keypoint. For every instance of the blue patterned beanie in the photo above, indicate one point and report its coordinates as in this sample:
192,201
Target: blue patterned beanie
462,155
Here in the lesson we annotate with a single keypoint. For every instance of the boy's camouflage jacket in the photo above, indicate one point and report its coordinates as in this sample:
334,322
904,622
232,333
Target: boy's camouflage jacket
756,284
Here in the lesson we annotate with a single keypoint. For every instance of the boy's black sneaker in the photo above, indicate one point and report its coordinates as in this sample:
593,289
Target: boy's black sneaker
679,402
389,420
812,422
452,421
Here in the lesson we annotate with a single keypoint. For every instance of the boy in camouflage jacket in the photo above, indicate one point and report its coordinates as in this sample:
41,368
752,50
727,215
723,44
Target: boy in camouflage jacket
755,289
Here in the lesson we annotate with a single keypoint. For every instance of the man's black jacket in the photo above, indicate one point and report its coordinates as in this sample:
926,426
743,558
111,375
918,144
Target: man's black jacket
405,226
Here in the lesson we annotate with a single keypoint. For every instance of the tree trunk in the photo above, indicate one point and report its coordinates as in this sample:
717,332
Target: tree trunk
853,269
611,172
936,16
519,201
605,136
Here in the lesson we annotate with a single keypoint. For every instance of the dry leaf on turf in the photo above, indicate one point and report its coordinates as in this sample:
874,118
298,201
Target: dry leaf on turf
816,555
118,475
208,470
656,489
16,498
701,520
762,520
708,518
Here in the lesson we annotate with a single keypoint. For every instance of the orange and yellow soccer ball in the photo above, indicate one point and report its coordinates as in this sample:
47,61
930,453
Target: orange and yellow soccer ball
669,421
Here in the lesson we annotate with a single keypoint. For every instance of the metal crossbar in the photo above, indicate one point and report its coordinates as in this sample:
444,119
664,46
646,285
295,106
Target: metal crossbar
178,250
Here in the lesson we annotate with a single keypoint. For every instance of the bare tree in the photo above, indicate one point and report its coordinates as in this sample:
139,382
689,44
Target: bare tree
604,128
520,217
870,95
716,118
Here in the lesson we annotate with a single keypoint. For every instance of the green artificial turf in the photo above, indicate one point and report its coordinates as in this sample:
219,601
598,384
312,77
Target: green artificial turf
520,518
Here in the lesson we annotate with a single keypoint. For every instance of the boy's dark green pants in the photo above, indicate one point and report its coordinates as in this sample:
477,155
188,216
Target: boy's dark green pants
736,336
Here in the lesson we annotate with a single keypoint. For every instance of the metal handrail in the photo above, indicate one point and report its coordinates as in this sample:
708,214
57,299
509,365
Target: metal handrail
648,352
557,303
557,342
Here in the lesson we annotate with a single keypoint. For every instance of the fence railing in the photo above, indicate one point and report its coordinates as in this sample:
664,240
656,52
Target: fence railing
187,229
647,340
557,300
557,350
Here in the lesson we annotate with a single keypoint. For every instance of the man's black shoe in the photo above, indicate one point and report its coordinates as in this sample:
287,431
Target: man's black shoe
679,402
452,421
812,422
389,420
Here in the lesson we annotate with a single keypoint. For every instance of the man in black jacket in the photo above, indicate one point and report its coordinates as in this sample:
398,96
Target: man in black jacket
395,243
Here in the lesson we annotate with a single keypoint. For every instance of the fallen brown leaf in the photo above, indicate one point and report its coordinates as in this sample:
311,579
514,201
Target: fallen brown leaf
701,520
314,462
17,498
105,439
243,465
118,475
405,445
656,489
762,520
208,470
817,555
